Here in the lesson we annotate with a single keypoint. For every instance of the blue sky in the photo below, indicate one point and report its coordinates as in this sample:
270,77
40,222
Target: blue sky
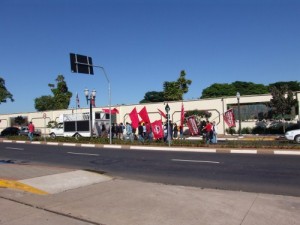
142,43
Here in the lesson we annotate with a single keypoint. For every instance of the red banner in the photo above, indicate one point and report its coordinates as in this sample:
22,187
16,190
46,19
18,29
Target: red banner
144,115
157,129
113,111
229,118
134,118
162,113
191,122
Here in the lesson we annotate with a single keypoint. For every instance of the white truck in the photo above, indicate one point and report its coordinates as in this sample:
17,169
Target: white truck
78,125
293,135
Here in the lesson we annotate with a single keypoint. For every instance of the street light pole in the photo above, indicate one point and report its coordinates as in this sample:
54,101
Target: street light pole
109,99
167,108
90,99
238,96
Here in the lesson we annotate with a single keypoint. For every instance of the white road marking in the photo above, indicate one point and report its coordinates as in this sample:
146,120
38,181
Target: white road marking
287,152
19,149
79,153
243,151
195,161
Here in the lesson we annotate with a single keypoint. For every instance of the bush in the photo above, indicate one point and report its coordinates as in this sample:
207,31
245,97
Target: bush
230,130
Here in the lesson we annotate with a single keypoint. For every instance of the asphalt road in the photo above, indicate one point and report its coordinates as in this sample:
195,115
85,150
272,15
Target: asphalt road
271,174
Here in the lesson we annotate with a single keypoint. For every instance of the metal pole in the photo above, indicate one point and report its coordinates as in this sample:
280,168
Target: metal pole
169,129
91,116
239,112
109,100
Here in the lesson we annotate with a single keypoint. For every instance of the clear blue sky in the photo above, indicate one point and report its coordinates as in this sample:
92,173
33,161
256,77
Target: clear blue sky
142,43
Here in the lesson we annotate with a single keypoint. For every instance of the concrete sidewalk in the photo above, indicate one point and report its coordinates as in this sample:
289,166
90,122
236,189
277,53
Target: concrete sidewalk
121,202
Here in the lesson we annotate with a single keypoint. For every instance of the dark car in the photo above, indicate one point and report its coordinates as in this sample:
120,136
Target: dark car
10,131
24,132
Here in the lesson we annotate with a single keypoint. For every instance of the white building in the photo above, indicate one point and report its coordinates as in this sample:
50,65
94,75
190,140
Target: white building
251,106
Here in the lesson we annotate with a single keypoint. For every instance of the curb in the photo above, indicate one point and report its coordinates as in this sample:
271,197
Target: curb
161,148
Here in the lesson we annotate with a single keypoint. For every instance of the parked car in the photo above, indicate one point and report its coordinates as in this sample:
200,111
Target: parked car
293,135
57,131
10,131
24,132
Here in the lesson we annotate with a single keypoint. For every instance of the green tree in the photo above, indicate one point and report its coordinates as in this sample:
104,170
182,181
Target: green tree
174,90
183,83
282,101
223,90
20,120
153,96
218,90
45,102
292,85
4,93
60,99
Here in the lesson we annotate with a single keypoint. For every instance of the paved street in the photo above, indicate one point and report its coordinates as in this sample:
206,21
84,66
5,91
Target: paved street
41,194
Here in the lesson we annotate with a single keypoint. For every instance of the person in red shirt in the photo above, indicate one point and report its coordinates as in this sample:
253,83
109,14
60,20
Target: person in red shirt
209,132
30,131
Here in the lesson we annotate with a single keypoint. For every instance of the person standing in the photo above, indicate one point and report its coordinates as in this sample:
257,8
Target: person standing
209,132
129,134
175,130
215,132
30,131
181,132
141,132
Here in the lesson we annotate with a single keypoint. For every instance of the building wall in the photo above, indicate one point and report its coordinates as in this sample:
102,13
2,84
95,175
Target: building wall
216,106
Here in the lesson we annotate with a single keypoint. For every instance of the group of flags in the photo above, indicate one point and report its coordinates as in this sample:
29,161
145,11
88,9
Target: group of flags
156,125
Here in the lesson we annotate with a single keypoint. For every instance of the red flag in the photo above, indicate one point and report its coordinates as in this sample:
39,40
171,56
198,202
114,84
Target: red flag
113,111
229,118
191,122
162,113
157,129
182,115
144,115
134,118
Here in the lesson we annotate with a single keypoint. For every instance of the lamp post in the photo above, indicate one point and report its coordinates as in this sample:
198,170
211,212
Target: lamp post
238,96
90,99
167,108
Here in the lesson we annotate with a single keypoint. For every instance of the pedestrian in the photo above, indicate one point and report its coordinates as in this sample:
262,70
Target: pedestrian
175,131
114,130
120,130
103,131
215,132
141,132
30,131
181,132
209,132
129,134
149,133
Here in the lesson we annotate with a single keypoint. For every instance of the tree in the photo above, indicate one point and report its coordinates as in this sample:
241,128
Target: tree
153,96
20,120
183,83
60,99
172,90
45,102
223,90
282,101
4,93
292,85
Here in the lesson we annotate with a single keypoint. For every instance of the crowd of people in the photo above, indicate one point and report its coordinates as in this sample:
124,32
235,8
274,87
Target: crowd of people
172,131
